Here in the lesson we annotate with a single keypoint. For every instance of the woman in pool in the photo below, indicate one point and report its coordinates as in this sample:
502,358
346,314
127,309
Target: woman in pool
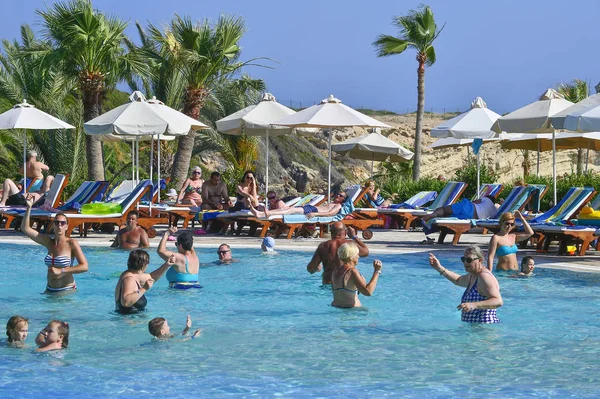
374,198
191,191
346,280
62,251
17,331
183,273
504,243
482,295
135,282
54,336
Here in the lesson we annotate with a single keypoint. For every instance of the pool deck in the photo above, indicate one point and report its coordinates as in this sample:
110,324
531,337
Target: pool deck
383,242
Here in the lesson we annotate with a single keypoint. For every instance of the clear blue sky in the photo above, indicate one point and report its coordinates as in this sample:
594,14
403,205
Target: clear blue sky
507,52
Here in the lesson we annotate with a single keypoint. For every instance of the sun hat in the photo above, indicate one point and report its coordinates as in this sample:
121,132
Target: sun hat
269,244
172,193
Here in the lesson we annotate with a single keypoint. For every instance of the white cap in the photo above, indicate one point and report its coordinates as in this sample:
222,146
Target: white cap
269,244
172,193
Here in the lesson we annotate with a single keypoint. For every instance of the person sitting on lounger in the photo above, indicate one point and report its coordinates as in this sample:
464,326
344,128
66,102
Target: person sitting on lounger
40,185
482,208
132,236
214,194
374,197
310,211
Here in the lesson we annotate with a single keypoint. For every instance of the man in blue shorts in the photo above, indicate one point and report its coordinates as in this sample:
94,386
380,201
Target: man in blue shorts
309,211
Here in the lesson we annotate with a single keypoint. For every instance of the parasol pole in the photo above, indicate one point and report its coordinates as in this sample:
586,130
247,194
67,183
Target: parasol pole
478,185
329,169
538,158
554,162
158,169
267,172
24,161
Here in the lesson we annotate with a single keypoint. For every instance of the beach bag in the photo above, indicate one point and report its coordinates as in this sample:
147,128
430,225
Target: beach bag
101,208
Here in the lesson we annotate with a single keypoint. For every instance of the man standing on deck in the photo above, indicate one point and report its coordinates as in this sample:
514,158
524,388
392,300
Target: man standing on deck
132,236
326,252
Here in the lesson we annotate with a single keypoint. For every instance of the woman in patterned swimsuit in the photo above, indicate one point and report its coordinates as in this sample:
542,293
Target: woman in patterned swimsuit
65,257
482,295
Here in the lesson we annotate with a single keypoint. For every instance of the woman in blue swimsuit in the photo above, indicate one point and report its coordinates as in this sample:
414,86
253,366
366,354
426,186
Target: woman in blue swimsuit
346,280
503,244
62,252
183,273
482,294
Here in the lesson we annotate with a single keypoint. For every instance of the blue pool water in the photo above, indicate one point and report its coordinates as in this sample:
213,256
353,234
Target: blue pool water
269,331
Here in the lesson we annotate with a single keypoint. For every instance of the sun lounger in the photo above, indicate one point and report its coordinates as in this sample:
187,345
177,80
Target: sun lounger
127,204
52,200
557,226
449,195
517,199
486,189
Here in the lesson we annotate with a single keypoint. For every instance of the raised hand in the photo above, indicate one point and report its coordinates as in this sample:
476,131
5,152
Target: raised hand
172,230
377,265
434,262
148,284
350,231
188,322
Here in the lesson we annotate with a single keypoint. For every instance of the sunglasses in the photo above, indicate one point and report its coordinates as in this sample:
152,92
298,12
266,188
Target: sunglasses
60,222
468,260
223,252
196,173
272,198
341,195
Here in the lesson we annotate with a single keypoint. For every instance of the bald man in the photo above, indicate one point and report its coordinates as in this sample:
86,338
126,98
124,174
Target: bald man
326,252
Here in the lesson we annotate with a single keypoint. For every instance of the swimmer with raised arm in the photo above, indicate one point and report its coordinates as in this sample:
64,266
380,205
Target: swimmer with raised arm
55,336
183,273
63,251
159,328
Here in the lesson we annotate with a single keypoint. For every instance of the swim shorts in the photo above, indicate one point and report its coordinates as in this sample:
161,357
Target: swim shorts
463,209
310,209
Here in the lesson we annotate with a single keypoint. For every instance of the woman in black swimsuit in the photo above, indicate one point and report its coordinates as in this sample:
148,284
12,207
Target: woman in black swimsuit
135,282
346,280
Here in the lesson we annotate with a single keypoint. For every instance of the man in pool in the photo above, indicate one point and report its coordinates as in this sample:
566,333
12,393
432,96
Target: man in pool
132,236
224,253
326,252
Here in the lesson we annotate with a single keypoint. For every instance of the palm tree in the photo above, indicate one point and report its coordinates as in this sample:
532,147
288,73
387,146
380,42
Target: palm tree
576,91
197,57
418,31
23,76
87,48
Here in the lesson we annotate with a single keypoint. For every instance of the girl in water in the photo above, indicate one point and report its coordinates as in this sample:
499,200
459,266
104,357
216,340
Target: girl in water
17,331
63,251
54,336
504,243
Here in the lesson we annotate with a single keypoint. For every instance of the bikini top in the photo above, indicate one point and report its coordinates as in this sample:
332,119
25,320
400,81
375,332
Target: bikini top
191,189
173,276
504,250
58,261
343,287
137,307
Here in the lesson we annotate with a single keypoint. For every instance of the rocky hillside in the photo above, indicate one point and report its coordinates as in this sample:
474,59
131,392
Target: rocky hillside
298,164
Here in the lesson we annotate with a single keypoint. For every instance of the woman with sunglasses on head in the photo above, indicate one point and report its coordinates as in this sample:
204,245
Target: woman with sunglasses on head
482,295
503,244
191,190
63,251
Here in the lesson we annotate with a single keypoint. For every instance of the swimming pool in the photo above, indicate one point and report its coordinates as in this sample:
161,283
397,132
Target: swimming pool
268,330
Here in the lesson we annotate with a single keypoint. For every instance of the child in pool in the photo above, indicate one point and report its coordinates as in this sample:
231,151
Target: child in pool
527,266
16,331
54,336
159,328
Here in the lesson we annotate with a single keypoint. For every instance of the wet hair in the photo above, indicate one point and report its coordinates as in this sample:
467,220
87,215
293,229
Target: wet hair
61,214
13,323
506,216
186,240
138,259
525,260
155,325
134,213
475,250
225,245
246,173
63,329
347,251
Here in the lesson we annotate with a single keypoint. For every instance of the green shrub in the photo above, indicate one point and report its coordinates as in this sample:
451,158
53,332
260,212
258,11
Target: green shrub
468,174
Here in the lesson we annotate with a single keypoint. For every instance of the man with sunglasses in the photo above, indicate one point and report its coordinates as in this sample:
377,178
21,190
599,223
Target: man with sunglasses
310,211
224,253
482,295
326,252
132,236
